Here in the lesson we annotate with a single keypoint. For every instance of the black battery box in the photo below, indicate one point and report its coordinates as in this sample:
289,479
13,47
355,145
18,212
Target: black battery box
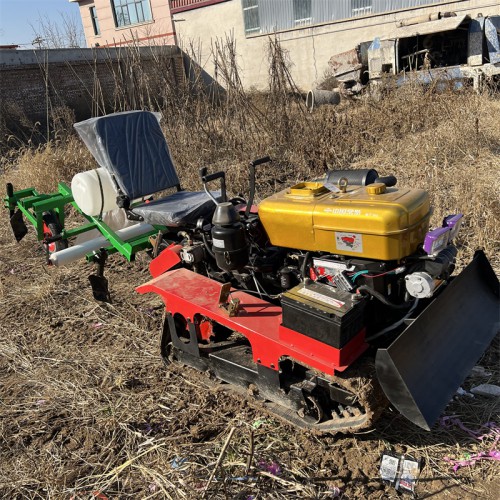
323,313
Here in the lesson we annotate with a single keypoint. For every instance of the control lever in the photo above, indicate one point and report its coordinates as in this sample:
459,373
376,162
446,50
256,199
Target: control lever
206,178
388,180
253,164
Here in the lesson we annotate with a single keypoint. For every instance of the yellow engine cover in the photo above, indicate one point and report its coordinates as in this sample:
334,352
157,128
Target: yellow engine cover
369,222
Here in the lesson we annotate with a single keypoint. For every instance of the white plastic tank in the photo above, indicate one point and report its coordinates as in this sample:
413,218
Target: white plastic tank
87,192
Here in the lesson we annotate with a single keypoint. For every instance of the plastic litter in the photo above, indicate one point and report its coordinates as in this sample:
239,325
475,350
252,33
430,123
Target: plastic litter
177,462
273,468
335,491
488,390
259,423
401,471
488,429
472,459
463,392
480,371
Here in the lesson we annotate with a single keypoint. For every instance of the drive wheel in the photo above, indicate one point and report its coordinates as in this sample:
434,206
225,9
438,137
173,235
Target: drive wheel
52,227
314,409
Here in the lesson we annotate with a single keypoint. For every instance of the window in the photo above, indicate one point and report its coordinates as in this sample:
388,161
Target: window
361,7
128,12
302,12
251,16
95,21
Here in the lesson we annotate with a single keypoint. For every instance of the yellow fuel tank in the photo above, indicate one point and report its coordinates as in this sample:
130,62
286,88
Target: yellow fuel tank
372,222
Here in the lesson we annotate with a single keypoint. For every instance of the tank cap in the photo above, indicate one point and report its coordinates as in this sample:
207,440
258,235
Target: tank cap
376,188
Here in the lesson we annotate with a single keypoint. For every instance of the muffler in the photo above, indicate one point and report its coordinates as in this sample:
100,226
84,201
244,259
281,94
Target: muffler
423,368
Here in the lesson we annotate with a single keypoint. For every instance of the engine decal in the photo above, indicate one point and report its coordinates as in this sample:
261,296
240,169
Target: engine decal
218,243
349,242
322,298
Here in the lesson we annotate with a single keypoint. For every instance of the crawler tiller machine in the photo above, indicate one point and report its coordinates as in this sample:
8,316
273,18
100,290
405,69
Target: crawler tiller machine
308,303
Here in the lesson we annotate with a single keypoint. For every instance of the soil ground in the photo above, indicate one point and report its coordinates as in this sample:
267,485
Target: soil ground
87,409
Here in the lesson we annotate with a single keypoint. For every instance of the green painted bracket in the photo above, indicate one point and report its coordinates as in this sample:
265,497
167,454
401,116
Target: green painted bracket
33,205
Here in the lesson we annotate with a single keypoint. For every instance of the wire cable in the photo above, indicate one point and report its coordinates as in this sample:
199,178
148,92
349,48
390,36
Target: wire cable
367,290
394,325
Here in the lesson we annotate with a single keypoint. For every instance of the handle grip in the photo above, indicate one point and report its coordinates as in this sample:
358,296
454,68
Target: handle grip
205,178
253,164
260,161
388,180
212,177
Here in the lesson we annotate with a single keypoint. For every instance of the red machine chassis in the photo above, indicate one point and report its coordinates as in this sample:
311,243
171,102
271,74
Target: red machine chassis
195,296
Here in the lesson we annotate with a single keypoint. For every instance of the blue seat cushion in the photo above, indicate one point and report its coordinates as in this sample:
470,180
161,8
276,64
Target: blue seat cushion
178,209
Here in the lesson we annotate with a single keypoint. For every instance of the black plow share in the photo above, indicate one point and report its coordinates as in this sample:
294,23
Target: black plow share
422,369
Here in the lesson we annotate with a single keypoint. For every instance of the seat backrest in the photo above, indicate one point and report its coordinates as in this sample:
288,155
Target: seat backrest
132,147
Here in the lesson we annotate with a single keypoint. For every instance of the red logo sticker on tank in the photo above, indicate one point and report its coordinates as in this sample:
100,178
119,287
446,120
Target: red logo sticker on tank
349,242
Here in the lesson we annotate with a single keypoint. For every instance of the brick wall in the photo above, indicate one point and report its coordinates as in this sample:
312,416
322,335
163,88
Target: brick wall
88,81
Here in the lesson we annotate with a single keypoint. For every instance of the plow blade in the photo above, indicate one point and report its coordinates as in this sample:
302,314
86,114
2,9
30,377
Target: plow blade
422,369
18,226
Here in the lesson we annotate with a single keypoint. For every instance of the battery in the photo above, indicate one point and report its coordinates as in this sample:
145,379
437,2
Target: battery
323,313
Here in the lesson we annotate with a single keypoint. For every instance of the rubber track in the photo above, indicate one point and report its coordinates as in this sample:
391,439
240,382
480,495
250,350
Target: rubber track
372,401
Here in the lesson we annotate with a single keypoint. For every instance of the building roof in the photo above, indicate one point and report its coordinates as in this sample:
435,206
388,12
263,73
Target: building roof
427,28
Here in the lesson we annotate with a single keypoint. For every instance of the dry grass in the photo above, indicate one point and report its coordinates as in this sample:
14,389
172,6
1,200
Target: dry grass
87,408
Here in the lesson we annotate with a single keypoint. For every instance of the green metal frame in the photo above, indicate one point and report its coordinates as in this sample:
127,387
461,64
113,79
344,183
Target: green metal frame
33,204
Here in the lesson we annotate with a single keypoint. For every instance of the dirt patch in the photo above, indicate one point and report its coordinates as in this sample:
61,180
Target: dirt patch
89,410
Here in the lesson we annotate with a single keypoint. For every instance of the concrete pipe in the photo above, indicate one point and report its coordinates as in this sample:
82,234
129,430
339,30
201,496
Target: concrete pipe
317,98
